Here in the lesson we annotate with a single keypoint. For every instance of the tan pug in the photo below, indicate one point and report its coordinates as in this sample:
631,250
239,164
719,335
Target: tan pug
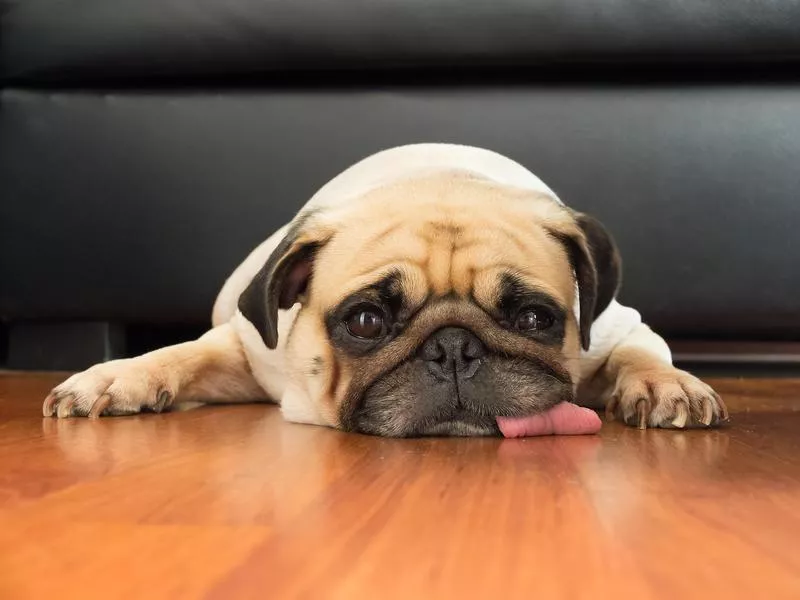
429,289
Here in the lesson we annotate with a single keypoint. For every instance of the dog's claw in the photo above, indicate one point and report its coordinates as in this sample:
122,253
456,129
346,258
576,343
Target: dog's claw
164,398
48,408
723,410
708,412
51,403
99,406
682,416
641,412
64,408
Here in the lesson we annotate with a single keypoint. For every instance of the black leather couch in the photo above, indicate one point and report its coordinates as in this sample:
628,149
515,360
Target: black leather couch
147,145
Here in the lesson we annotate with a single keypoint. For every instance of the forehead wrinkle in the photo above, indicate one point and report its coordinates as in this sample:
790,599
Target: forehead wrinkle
474,249
392,244
481,252
412,279
398,262
452,242
382,234
485,295
516,239
508,228
445,245
440,262
455,260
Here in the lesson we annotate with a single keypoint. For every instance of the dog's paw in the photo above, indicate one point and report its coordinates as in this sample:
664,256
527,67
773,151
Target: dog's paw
665,397
120,387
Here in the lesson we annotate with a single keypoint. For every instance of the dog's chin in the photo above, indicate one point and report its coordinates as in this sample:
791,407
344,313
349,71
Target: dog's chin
459,423
460,429
463,424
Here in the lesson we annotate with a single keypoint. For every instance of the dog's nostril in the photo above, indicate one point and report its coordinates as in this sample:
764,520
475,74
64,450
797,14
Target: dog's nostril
473,349
432,351
445,356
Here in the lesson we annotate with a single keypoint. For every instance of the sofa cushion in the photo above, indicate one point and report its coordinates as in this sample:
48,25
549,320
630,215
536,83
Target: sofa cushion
135,206
45,40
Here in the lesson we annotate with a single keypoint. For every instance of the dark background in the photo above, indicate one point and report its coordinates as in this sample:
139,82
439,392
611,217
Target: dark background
146,147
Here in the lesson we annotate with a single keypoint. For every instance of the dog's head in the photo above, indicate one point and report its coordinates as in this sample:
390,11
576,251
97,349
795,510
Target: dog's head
434,305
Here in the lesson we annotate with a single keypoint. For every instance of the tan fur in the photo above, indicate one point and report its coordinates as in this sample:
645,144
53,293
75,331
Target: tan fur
449,235
641,390
212,368
448,228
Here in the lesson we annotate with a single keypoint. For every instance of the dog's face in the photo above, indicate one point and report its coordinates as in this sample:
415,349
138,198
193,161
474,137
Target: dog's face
434,305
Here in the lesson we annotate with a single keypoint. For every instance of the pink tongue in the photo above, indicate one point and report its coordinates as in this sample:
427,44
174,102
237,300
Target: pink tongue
563,419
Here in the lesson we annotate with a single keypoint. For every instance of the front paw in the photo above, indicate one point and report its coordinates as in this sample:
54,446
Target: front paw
120,387
665,397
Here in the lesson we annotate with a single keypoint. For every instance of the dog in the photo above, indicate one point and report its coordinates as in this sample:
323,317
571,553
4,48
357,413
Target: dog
430,289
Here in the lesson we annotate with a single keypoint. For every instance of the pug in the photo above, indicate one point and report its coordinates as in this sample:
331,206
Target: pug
430,289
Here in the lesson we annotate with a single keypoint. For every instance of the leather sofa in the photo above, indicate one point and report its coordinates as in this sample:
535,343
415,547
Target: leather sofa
147,145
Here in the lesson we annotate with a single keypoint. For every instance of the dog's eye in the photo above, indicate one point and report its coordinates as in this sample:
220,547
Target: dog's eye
534,319
366,323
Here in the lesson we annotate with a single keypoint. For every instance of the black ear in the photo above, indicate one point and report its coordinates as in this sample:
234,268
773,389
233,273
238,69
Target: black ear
606,258
281,282
597,267
586,275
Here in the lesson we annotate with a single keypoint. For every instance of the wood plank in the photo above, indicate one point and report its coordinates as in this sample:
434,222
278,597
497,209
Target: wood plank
232,502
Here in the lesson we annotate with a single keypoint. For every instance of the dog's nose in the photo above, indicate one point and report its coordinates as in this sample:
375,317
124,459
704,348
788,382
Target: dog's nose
453,352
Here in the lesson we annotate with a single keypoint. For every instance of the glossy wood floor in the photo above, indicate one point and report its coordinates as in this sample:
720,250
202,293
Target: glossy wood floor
232,502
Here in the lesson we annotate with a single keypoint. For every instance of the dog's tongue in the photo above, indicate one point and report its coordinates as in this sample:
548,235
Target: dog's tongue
563,419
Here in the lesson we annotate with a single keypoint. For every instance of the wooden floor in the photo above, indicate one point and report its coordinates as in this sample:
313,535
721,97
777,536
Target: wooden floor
232,502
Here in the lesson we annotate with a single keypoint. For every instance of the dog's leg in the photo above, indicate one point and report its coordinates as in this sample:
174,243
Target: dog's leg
211,368
647,391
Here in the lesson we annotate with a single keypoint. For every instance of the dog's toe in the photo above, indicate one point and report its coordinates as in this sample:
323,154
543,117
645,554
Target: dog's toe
666,398
116,388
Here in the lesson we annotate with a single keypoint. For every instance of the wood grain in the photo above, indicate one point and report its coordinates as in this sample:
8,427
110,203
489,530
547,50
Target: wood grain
232,502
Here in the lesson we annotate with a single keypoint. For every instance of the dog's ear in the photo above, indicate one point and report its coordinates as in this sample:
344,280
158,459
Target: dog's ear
606,258
281,282
596,263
